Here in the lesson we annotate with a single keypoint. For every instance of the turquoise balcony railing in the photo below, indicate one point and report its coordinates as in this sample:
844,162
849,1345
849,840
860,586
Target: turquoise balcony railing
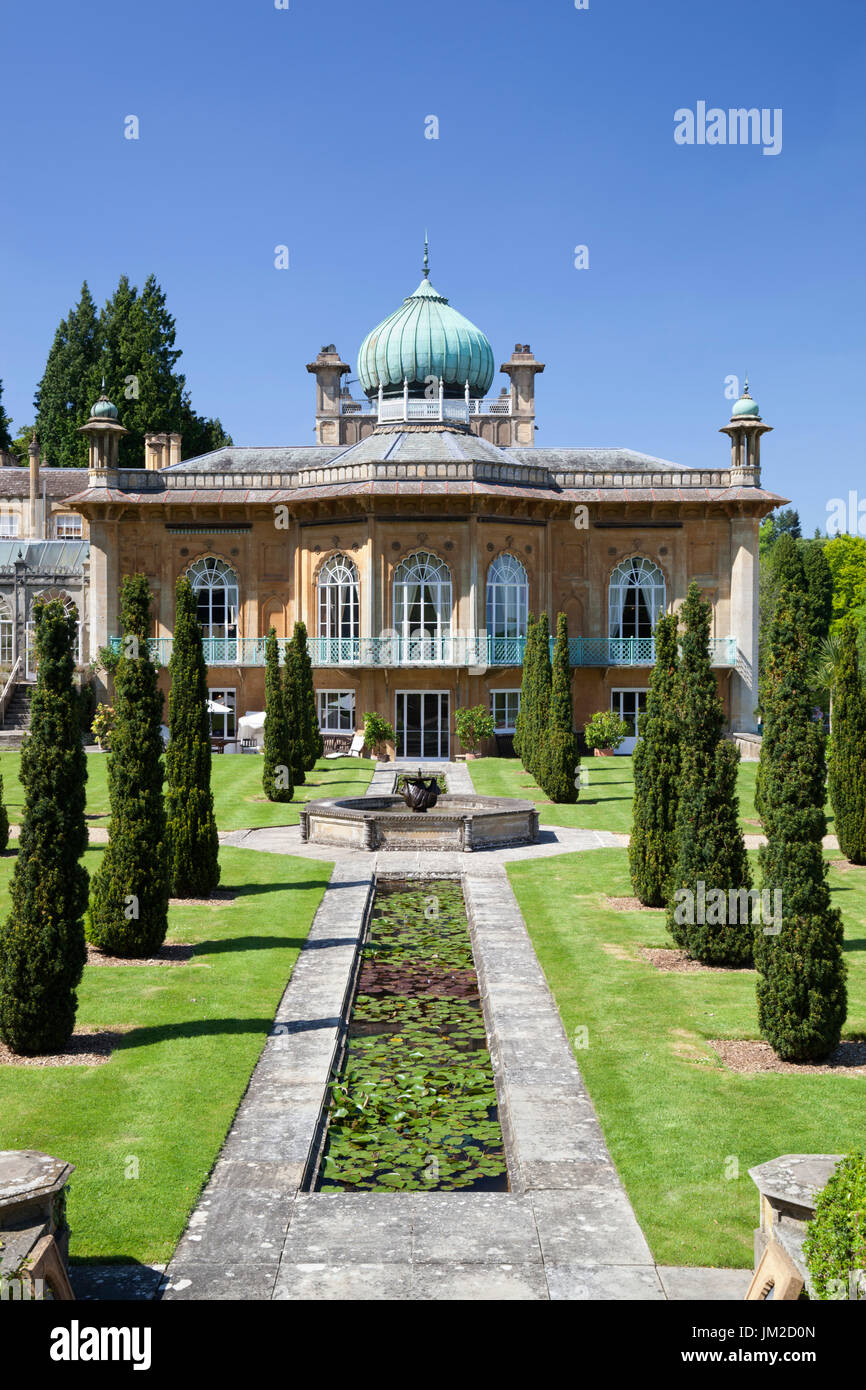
458,650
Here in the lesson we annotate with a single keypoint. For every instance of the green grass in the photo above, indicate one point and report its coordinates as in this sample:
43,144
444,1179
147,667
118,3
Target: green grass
236,779
677,1122
606,803
167,1096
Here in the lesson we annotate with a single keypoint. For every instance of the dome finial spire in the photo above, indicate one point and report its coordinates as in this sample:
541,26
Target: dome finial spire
746,387
426,256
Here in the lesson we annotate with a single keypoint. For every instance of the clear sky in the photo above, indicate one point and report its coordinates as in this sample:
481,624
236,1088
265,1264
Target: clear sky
305,126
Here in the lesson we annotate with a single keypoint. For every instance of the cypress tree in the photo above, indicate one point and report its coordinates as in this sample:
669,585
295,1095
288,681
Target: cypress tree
801,970
537,732
819,591
848,756
710,849
277,772
308,719
524,714
560,760
786,571
42,946
194,868
294,714
656,766
129,897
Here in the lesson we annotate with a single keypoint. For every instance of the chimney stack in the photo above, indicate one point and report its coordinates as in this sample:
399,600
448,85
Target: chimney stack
33,451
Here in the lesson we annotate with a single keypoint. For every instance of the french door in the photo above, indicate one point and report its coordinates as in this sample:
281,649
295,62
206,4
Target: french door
422,724
628,705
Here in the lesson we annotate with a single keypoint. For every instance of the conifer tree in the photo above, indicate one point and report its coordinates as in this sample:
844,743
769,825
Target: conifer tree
277,771
69,386
4,820
801,970
129,892
819,591
560,761
524,713
538,730
848,757
193,843
786,571
5,425
656,767
308,719
42,946
711,855
294,707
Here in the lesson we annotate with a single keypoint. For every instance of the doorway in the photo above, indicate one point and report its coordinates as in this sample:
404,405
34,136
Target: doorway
423,724
628,705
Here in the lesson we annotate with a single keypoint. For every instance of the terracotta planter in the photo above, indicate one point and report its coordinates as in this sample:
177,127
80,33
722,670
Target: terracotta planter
391,752
603,752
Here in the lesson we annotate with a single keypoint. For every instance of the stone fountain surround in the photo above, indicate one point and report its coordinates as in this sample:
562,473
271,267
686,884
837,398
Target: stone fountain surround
462,820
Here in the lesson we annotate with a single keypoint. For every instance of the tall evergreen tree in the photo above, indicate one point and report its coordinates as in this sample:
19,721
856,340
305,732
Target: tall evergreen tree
5,425
42,946
69,386
129,892
711,852
559,759
848,757
277,771
524,713
819,591
656,767
537,731
801,970
786,570
192,831
308,719
294,706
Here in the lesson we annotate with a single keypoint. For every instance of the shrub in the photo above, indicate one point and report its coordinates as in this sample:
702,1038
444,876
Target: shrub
103,723
801,971
42,946
277,780
605,730
308,719
472,726
559,762
835,1244
192,831
711,854
294,706
129,897
847,781
524,713
656,765
377,732
537,726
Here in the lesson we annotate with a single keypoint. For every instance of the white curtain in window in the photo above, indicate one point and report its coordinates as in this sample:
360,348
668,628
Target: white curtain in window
636,598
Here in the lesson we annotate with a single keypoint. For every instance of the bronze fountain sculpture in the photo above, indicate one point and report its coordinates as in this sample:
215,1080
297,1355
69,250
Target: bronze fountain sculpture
418,794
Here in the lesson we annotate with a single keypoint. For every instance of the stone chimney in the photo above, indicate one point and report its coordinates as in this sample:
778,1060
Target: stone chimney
33,451
156,450
328,369
174,441
523,369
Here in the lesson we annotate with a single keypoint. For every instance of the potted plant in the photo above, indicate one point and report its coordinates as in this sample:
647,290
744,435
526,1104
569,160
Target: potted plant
472,726
378,736
604,733
103,721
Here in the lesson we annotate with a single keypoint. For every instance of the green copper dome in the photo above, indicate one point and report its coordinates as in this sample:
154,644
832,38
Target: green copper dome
425,338
103,409
745,408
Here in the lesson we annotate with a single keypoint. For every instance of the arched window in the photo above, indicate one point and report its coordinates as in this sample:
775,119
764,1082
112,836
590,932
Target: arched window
507,598
637,597
422,606
215,586
339,608
70,608
7,634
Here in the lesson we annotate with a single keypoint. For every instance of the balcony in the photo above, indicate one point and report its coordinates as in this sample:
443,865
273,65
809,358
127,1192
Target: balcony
456,651
406,408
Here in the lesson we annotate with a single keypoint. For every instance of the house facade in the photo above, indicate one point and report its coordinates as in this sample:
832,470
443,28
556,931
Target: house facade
418,533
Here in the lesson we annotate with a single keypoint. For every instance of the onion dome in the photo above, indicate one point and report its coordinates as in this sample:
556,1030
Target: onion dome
745,408
103,409
425,338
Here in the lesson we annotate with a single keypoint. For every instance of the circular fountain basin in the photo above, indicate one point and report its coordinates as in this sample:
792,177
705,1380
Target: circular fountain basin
456,822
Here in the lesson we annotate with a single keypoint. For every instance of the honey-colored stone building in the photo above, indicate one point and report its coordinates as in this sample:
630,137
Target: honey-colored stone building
419,531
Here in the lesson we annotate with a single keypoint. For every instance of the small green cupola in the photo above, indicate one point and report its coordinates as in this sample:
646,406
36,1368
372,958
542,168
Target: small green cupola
745,408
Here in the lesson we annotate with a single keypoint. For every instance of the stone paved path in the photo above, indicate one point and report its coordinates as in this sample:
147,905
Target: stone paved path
565,1230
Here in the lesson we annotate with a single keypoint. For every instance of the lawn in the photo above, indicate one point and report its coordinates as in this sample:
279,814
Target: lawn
145,1128
683,1130
236,779
605,804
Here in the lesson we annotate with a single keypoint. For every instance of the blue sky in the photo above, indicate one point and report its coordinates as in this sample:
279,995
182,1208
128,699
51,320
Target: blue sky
306,127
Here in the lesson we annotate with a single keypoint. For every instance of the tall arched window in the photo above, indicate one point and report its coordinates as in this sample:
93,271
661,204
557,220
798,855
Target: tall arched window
507,598
422,606
339,608
7,634
70,608
215,586
637,597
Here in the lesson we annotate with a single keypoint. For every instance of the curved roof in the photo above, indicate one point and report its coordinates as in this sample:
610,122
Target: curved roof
426,338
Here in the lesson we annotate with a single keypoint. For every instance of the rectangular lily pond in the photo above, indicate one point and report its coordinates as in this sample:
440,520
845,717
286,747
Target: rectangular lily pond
413,1107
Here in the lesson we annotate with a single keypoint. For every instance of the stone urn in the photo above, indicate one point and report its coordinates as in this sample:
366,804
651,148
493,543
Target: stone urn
418,794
